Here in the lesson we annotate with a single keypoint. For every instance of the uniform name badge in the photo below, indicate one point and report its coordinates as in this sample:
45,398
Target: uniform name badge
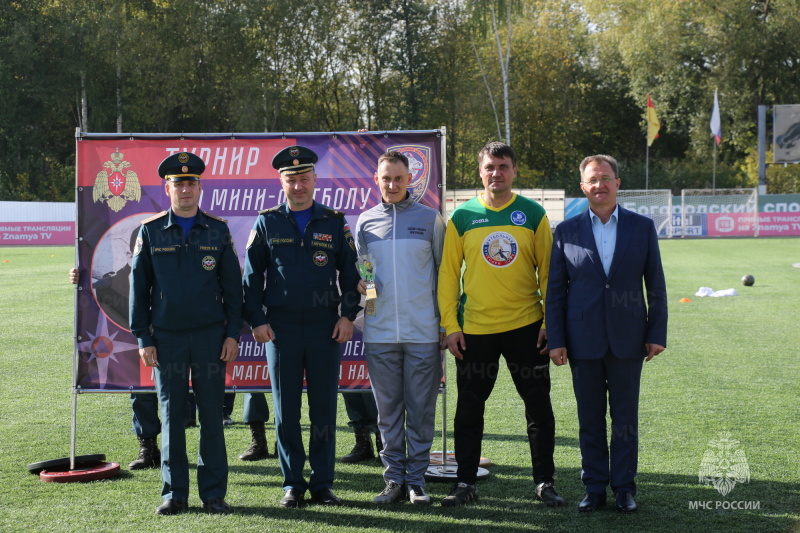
366,268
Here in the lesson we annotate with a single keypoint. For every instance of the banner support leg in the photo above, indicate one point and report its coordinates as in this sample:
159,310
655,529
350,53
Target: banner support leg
444,411
73,430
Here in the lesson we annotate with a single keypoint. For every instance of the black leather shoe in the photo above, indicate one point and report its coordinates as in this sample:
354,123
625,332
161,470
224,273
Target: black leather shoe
293,498
217,506
172,506
592,501
325,497
626,503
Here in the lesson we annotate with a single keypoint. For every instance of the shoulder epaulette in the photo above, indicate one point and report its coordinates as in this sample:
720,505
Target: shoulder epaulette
215,217
334,213
155,217
270,210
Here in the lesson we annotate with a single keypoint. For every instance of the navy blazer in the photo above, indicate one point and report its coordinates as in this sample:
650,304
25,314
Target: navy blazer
588,312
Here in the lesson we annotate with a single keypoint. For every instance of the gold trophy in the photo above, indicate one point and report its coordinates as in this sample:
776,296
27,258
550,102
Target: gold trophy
366,268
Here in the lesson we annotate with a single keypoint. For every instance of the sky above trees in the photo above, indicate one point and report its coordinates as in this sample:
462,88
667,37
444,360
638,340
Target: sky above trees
578,73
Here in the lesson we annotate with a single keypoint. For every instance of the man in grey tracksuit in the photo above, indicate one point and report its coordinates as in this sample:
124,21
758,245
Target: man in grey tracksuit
401,326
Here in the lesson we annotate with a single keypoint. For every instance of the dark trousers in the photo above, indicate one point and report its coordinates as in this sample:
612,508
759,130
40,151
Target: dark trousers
361,410
303,346
146,423
145,415
227,405
598,383
181,355
256,408
476,377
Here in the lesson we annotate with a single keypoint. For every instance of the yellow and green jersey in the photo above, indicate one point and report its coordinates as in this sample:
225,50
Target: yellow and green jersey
505,252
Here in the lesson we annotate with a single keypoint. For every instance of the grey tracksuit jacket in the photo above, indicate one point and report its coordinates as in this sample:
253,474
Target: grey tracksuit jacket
405,241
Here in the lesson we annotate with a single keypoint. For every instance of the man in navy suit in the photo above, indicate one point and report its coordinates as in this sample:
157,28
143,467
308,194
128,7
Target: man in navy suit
600,318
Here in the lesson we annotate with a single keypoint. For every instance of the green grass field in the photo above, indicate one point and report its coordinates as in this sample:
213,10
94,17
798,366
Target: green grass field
731,365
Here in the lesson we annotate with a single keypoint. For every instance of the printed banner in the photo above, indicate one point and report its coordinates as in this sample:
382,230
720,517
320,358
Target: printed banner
741,225
786,134
778,216
56,233
118,187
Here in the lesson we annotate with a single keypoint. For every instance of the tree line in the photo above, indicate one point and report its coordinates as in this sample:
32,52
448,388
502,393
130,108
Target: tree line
561,79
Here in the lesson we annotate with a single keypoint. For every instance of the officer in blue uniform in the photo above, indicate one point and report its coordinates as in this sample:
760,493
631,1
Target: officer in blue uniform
292,299
185,310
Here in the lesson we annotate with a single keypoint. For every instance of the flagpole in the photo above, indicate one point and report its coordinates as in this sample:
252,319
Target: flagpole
653,125
714,171
647,143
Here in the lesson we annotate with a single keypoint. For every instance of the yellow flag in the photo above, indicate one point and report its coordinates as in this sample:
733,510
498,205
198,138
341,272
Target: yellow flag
653,125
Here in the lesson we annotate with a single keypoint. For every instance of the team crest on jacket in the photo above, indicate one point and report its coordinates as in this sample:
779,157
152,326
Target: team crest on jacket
209,262
419,165
518,218
320,258
115,186
499,249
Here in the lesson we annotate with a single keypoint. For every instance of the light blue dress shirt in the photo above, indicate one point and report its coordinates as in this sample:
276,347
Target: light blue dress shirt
605,237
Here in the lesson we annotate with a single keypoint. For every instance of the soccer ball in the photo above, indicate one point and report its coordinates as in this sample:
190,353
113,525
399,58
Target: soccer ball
748,280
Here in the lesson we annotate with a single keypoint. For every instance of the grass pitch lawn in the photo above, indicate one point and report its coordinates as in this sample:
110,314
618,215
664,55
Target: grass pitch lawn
731,365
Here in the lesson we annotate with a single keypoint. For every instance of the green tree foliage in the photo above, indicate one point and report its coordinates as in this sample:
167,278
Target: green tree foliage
577,79
682,50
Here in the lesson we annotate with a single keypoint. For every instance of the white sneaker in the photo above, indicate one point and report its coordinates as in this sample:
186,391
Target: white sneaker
417,495
391,493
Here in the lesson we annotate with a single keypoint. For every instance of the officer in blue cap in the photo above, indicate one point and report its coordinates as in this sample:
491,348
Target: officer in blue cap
185,310
301,293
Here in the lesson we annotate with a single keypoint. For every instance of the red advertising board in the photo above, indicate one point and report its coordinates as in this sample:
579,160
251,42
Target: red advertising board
741,224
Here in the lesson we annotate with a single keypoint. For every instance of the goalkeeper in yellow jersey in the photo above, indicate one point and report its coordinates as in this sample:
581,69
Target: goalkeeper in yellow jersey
504,241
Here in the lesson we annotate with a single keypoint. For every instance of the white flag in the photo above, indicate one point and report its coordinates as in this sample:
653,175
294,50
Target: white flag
716,127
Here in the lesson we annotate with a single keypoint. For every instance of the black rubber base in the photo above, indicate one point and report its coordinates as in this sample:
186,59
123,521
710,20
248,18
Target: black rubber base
60,464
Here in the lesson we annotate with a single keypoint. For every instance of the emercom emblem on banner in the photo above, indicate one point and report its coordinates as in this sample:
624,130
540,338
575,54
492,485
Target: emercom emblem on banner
115,187
418,164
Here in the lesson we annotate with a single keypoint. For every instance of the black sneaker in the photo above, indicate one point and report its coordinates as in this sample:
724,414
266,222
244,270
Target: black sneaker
460,494
417,495
547,493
